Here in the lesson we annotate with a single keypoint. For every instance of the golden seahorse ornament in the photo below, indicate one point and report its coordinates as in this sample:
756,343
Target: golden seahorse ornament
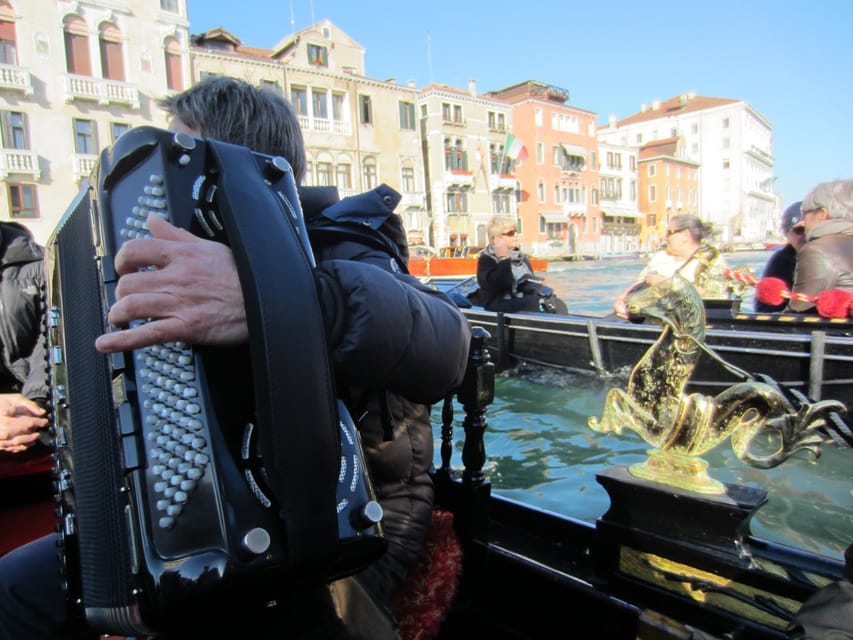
680,426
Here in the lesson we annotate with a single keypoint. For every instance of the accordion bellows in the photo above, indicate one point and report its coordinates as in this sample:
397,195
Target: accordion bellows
190,475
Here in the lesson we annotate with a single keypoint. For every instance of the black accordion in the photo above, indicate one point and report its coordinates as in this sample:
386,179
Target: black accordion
188,476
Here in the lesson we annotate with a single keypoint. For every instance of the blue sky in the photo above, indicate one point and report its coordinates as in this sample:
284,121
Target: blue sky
790,59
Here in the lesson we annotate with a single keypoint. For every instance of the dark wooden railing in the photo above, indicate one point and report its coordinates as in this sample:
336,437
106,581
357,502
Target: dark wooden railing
467,496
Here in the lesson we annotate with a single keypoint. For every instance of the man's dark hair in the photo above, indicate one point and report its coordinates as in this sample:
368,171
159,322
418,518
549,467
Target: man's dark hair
235,111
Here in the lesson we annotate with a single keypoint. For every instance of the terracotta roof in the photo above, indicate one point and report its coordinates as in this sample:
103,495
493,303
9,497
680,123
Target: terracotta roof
659,143
674,106
233,45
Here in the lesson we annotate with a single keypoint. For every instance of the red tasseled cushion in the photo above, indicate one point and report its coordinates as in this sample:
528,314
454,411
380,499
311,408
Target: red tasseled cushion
835,304
431,585
769,290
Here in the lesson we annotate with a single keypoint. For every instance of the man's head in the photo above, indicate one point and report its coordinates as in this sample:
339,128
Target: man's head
792,217
234,111
792,225
828,200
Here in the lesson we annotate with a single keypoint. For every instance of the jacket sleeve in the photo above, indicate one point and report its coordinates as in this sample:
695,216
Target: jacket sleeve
812,275
389,331
494,277
36,383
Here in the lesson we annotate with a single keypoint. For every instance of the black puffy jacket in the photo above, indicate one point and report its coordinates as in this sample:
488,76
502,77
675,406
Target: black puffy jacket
22,313
397,347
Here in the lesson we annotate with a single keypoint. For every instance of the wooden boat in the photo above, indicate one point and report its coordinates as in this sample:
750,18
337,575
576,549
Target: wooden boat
660,563
810,354
455,261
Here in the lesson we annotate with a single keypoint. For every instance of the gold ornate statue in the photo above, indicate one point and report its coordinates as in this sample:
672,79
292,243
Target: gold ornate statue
681,426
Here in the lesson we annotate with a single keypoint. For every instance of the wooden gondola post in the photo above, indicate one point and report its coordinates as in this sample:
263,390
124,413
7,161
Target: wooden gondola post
468,498
476,394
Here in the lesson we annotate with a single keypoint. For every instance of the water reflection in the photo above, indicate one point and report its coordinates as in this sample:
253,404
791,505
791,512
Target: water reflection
540,451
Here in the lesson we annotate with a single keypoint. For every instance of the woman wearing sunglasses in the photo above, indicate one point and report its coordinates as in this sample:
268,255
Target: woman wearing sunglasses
505,276
684,235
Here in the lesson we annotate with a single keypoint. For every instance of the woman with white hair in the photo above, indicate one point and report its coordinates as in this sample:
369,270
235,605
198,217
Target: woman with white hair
826,260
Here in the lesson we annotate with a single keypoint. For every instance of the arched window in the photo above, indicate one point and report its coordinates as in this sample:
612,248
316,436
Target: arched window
174,65
8,45
77,59
112,61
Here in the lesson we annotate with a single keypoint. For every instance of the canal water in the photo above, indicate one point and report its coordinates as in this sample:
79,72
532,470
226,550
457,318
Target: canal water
541,452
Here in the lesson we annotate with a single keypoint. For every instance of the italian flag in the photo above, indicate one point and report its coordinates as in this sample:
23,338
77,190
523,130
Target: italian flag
514,148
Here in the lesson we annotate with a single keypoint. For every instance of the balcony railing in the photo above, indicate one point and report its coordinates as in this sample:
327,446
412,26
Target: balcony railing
760,154
19,161
575,209
101,90
83,164
12,77
414,199
324,125
502,181
459,177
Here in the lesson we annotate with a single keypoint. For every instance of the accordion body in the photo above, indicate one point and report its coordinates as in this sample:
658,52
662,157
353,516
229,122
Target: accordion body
185,475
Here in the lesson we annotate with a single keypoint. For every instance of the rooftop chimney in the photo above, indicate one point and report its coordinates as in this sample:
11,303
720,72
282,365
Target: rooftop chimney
472,87
611,120
655,105
644,107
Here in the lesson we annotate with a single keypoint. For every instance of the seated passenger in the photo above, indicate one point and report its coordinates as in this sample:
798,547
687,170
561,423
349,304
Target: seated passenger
681,253
781,264
505,275
825,262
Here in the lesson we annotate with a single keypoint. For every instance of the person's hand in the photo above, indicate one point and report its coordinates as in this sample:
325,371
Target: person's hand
193,295
20,421
620,308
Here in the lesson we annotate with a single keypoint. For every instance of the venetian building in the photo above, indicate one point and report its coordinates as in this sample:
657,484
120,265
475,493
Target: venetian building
359,132
558,214
669,186
74,75
731,143
468,175
618,198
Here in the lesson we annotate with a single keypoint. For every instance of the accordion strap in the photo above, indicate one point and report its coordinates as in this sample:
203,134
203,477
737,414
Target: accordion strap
295,398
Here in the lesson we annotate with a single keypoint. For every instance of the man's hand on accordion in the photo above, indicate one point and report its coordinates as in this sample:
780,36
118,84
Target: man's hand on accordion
193,293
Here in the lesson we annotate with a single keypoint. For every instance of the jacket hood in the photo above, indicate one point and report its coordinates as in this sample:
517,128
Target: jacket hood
17,244
372,210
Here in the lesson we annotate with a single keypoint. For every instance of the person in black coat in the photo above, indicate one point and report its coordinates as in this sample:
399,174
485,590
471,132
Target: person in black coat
505,274
782,262
396,346
23,368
